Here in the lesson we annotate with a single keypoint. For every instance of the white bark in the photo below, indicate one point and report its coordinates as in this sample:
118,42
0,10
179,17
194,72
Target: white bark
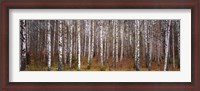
88,29
167,35
54,38
93,28
85,42
71,41
146,40
113,41
122,39
60,46
137,44
116,27
101,42
79,45
49,45
23,41
65,42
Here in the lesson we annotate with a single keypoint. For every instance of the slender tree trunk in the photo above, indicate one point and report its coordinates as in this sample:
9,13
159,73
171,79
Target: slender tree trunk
79,45
65,42
88,28
93,28
60,46
167,35
54,39
146,42
113,41
116,27
137,46
85,48
122,40
101,42
49,46
71,39
23,41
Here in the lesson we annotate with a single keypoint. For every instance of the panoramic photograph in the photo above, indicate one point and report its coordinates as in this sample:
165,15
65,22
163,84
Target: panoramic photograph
99,45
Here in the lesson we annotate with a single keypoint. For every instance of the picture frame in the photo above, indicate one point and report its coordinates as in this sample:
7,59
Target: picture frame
100,4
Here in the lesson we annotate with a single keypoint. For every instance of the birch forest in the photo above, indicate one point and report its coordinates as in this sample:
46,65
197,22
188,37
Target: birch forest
99,45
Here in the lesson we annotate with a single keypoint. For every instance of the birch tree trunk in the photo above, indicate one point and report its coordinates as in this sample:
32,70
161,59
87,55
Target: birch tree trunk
85,42
116,27
146,42
167,35
23,41
79,45
65,42
137,44
49,46
101,42
93,28
113,41
54,39
122,39
88,29
60,46
71,41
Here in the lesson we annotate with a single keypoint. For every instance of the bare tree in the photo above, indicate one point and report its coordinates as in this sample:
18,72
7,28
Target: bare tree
93,28
23,44
116,27
79,45
137,44
49,45
167,35
122,39
60,46
71,26
101,42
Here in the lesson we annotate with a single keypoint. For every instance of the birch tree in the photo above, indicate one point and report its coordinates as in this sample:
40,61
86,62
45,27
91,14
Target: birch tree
116,34
122,39
65,42
23,44
93,28
137,44
71,41
88,29
54,38
146,41
167,35
101,42
60,46
113,41
49,45
79,45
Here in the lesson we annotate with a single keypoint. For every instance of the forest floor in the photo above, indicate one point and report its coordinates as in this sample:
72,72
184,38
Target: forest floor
124,65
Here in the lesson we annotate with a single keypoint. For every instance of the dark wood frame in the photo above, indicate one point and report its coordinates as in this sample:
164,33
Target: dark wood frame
99,4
